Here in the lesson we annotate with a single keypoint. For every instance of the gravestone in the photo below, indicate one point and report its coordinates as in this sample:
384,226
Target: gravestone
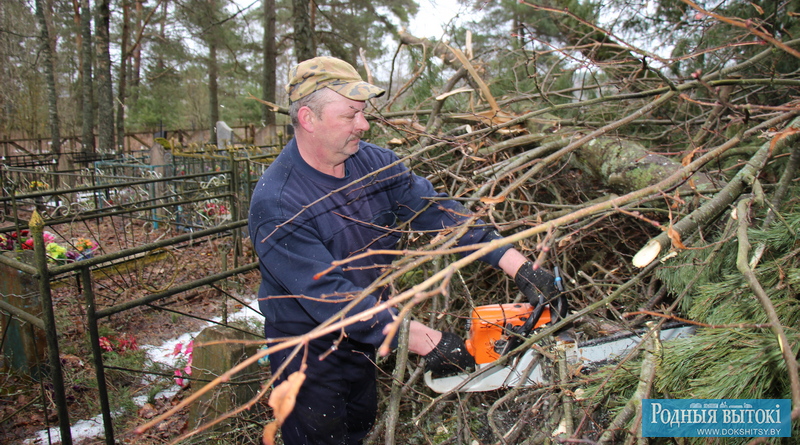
210,361
25,346
159,160
225,135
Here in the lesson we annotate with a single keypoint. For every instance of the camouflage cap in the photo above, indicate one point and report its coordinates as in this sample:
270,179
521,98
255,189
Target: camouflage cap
329,72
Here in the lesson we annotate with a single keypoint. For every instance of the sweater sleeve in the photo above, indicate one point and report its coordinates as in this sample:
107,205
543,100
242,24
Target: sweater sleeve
427,214
292,254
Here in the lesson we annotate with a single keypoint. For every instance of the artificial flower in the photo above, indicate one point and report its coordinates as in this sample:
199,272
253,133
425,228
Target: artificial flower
84,245
56,251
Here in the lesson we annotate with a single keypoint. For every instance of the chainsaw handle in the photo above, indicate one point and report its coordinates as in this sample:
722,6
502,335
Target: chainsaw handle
526,328
530,323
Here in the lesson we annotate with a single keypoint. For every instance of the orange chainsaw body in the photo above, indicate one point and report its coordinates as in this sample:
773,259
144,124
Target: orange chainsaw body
488,324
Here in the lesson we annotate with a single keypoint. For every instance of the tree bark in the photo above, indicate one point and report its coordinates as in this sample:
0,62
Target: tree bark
162,35
105,99
137,52
123,74
303,31
76,21
213,90
269,82
49,68
87,86
721,201
626,166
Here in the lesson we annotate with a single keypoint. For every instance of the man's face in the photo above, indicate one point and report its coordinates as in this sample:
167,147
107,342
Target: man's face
340,126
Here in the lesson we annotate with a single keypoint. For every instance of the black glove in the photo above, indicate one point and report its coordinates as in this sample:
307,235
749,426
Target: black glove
449,357
539,285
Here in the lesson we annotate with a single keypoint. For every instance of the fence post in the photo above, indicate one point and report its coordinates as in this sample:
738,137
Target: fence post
36,225
97,353
235,212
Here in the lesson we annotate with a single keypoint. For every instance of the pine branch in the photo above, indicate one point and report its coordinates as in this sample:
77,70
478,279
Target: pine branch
722,200
744,267
652,350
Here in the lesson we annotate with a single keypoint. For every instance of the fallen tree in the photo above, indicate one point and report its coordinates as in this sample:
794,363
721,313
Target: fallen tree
585,184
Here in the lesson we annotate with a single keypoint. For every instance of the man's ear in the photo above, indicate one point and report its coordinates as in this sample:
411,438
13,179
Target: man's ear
307,119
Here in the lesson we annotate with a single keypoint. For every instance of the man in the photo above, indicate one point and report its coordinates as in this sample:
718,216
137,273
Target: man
330,196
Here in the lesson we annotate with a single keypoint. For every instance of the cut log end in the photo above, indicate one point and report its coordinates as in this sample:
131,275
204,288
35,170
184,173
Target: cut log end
647,254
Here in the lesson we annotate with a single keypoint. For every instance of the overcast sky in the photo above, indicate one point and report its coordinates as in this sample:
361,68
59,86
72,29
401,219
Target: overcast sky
433,15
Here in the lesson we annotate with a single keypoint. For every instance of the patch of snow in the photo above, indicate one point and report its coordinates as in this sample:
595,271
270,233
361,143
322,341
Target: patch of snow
82,429
164,354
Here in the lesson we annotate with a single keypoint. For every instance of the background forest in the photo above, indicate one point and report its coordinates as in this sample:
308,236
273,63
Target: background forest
647,148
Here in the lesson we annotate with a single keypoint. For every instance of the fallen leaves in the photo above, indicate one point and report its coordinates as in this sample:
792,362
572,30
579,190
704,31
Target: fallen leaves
282,402
147,411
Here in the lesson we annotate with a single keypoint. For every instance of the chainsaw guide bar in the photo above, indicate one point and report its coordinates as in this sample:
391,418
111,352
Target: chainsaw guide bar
493,326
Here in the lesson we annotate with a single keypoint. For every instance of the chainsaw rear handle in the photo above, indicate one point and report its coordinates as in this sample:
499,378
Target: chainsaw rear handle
523,331
498,329
490,325
530,323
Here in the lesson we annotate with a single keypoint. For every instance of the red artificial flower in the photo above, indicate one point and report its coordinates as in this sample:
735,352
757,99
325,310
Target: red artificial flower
128,343
105,344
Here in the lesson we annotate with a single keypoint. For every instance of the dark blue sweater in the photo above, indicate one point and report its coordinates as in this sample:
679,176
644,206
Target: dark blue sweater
298,230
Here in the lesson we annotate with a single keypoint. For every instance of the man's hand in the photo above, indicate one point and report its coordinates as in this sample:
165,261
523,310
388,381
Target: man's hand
534,283
450,356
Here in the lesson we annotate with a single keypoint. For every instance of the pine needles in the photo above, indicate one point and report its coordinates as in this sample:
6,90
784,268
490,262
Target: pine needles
736,358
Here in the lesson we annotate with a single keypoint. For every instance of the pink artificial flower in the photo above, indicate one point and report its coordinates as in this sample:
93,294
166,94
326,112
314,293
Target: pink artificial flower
187,370
189,350
48,238
105,344
178,378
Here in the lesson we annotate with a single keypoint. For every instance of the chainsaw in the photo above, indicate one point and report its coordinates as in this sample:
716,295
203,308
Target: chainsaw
497,329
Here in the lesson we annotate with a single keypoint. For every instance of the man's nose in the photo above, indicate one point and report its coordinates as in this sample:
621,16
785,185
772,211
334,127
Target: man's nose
361,122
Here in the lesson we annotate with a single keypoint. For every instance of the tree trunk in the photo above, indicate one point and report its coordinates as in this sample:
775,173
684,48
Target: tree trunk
123,75
87,93
49,68
303,31
213,90
626,166
162,35
269,82
4,74
137,52
105,99
76,21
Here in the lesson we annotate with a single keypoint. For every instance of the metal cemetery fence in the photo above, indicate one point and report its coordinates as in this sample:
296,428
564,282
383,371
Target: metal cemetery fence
187,199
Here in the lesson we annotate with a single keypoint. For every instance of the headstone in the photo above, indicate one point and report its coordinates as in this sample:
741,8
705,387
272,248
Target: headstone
225,135
25,346
158,160
209,361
